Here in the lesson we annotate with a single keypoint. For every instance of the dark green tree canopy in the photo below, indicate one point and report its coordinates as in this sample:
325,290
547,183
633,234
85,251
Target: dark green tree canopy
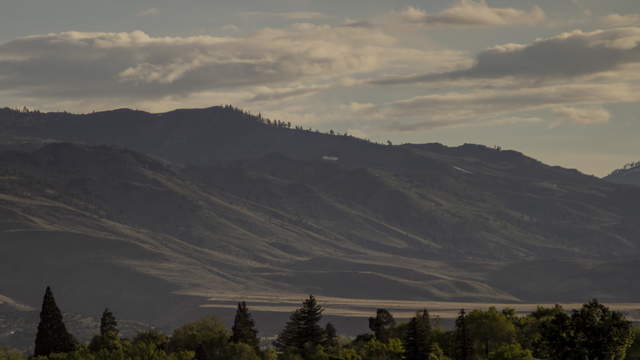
108,325
462,344
382,324
418,341
244,328
52,336
331,336
303,328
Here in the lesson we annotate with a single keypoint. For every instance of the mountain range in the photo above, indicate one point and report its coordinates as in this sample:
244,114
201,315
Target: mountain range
152,214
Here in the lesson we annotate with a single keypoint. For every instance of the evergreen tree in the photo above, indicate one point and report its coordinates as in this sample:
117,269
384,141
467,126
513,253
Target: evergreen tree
287,339
108,325
310,331
418,341
52,336
462,347
331,336
382,324
244,328
303,328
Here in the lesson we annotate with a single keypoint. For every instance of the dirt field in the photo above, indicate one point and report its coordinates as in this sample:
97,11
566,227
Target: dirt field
343,307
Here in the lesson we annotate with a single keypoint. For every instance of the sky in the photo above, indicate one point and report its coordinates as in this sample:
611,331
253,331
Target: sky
558,80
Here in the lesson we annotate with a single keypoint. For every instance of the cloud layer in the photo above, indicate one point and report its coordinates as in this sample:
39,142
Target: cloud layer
473,13
137,65
571,54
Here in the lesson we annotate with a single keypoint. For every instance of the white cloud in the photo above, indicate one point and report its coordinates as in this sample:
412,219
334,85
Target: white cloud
584,115
621,20
473,13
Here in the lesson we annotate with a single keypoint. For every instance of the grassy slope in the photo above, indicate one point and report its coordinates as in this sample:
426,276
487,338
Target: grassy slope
391,222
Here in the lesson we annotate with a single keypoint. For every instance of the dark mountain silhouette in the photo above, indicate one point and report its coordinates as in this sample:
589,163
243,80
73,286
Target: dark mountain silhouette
132,210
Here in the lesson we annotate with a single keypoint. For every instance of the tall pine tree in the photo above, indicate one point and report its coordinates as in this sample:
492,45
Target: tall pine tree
52,336
418,341
303,328
310,331
244,328
462,347
287,339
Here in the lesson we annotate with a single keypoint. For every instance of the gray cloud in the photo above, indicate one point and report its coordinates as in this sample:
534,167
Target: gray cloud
566,55
579,103
136,65
473,13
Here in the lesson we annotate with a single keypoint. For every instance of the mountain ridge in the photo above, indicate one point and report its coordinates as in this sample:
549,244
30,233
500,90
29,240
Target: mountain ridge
217,200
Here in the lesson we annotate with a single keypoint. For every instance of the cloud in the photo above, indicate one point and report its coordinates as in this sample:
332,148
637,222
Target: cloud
473,13
289,15
579,103
614,20
149,12
567,55
135,65
584,115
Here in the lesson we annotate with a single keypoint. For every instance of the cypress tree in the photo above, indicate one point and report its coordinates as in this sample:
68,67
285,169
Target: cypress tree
52,336
418,341
244,328
462,349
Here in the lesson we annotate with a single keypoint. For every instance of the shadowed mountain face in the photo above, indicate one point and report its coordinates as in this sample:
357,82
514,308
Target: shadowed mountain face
129,209
630,174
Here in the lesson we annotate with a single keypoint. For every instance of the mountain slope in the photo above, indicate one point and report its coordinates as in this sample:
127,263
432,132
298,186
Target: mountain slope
216,201
630,174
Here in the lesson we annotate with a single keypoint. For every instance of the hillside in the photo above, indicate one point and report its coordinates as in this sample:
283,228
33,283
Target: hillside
133,210
630,174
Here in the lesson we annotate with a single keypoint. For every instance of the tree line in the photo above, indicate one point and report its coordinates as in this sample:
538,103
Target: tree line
593,332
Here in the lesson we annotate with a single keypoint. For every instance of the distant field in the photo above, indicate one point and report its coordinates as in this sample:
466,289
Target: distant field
401,309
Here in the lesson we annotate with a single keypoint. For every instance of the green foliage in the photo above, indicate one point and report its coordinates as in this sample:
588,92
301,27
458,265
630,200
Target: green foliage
600,333
10,354
592,333
488,330
511,352
634,351
154,337
382,324
418,340
209,332
462,343
244,328
108,325
52,336
303,329
378,350
240,351
108,338
331,336
436,353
